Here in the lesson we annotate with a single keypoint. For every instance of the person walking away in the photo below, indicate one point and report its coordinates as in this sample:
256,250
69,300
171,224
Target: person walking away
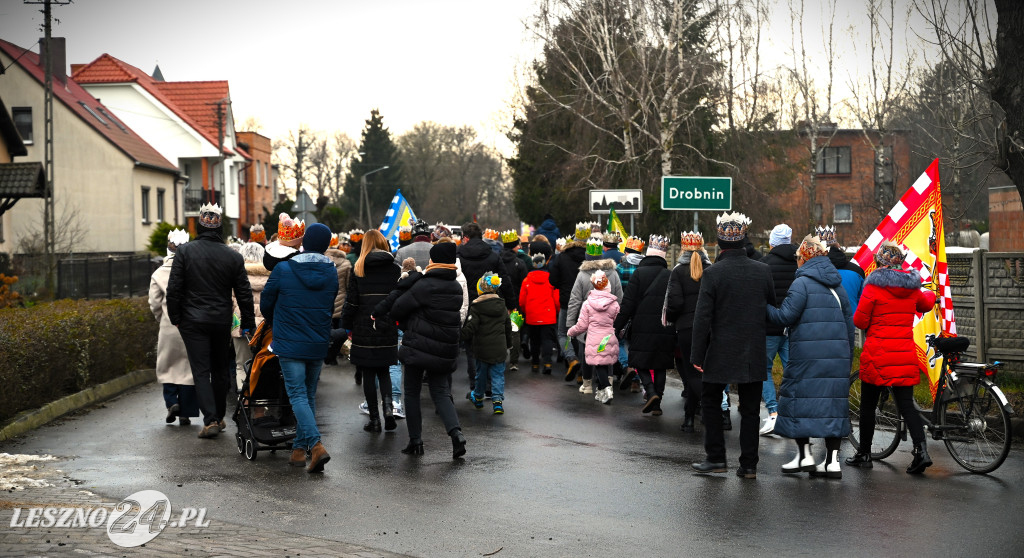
539,300
549,229
517,271
851,273
355,242
204,274
419,249
563,271
299,300
595,261
729,343
428,313
172,368
610,242
815,390
410,274
631,258
252,255
344,271
781,258
680,305
597,320
650,342
489,330
891,299
374,338
476,258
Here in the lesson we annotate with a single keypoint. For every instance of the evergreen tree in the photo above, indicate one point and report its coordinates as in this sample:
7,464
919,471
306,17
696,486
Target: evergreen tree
376,150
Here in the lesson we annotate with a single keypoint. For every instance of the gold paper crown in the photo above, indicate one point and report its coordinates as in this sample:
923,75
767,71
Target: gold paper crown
491,234
509,236
582,231
658,242
290,231
404,233
257,234
692,241
635,244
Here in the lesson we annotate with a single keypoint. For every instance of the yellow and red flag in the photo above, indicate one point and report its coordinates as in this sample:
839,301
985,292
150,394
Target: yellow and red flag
915,224
615,226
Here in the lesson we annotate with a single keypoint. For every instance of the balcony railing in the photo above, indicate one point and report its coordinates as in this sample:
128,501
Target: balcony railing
195,198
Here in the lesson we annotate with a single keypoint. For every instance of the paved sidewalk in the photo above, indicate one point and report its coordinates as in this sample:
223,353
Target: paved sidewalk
41,484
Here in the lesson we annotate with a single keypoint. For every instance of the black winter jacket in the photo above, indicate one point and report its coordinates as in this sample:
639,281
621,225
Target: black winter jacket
564,269
681,301
782,261
489,328
374,342
517,271
729,323
429,315
651,345
204,274
477,258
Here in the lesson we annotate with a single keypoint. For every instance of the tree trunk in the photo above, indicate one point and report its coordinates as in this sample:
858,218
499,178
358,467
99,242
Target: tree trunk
1008,85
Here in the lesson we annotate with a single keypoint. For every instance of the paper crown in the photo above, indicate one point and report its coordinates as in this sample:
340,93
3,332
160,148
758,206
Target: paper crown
658,243
890,255
611,238
440,231
355,235
811,246
509,236
691,241
257,234
488,283
561,242
342,238
634,244
583,231
491,234
209,216
827,234
290,231
334,241
404,233
595,247
732,227
177,237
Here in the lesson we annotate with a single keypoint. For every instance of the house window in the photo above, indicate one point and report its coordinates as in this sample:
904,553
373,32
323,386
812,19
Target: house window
145,205
160,204
834,160
266,175
842,213
23,122
93,113
259,174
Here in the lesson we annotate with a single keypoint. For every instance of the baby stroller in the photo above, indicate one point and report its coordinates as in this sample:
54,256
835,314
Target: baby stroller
263,414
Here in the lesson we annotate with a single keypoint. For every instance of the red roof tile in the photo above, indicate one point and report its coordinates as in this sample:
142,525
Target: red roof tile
195,102
77,99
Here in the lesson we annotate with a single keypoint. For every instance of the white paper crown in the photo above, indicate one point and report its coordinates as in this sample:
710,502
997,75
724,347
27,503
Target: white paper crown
177,237
211,208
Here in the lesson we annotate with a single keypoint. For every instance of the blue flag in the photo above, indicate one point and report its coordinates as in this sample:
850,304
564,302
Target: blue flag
400,214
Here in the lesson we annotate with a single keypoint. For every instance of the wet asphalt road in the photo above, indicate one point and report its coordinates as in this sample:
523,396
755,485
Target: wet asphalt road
558,475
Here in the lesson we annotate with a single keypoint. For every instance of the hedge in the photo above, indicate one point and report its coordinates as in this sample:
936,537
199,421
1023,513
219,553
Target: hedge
52,350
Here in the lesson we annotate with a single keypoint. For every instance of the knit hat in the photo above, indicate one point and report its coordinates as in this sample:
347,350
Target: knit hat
599,280
611,239
176,238
538,260
408,265
440,231
595,248
489,283
538,247
443,253
290,231
257,234
691,241
890,255
810,247
827,234
209,216
781,235
634,245
657,245
317,238
252,252
509,238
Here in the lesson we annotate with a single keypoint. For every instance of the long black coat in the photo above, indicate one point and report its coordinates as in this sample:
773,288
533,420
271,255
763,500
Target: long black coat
517,270
564,268
371,346
429,314
729,323
651,344
782,261
681,301
477,258
204,274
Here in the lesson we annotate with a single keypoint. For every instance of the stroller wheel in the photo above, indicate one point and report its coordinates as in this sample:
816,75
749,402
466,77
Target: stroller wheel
250,450
238,440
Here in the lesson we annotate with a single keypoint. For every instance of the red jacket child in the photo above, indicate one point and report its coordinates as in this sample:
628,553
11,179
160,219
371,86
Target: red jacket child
538,299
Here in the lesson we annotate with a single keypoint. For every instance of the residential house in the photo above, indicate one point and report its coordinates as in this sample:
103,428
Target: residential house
1006,219
257,190
109,184
845,183
185,121
18,181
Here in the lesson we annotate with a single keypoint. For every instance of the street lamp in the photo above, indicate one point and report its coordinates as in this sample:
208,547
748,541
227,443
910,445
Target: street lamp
364,196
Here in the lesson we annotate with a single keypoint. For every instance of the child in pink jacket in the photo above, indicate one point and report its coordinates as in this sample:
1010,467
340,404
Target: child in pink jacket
597,317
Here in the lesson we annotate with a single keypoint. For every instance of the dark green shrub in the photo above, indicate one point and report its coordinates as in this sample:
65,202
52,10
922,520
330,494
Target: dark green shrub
158,238
55,349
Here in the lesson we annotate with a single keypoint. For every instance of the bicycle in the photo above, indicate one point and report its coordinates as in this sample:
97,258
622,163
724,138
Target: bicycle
970,414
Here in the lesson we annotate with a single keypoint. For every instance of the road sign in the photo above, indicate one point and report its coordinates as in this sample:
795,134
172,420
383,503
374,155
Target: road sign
711,193
624,201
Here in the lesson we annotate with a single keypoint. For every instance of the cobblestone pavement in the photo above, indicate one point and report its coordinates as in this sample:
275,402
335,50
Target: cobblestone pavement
42,484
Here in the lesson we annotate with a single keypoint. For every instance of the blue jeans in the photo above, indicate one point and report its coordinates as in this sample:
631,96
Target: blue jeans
624,354
300,380
777,344
494,374
184,397
395,370
567,350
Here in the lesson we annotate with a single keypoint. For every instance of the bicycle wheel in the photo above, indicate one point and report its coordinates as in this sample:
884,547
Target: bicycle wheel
975,427
887,421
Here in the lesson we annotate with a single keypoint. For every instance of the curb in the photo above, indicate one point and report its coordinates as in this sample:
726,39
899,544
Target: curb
31,420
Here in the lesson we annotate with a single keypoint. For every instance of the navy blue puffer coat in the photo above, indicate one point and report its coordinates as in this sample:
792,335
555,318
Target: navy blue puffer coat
814,396
298,300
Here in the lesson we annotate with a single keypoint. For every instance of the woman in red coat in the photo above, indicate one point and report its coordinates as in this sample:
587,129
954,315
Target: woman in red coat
890,301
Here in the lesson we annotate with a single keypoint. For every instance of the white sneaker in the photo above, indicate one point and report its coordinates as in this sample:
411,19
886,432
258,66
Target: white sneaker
609,394
769,425
364,408
599,395
399,408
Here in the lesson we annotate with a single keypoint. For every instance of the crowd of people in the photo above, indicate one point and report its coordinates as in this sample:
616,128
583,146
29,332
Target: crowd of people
619,320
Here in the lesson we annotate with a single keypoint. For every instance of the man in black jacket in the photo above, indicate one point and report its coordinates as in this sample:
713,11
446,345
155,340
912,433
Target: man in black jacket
562,276
729,343
517,271
782,261
477,258
204,275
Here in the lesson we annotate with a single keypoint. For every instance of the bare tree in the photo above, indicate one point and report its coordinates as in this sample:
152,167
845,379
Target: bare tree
251,124
343,150
292,157
321,168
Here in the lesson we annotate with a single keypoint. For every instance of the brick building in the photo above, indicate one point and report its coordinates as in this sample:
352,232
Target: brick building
845,183
1006,219
257,188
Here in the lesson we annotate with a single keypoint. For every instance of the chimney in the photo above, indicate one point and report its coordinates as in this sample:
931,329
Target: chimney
59,65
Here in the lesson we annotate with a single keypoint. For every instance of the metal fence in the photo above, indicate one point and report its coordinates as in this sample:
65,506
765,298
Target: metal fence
105,277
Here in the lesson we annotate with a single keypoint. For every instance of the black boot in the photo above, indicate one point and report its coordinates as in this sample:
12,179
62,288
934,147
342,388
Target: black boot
458,443
389,415
921,459
688,424
862,460
415,447
373,425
